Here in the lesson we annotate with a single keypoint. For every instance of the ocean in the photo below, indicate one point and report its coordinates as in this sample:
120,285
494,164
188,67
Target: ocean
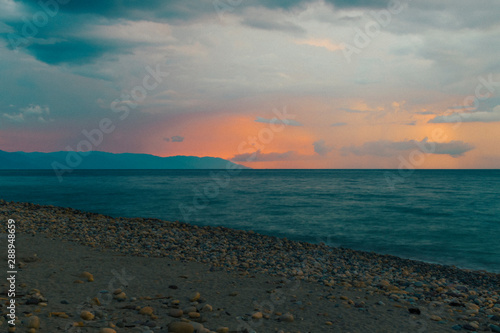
441,216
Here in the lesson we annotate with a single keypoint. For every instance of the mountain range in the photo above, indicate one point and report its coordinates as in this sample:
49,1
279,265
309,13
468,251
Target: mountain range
104,160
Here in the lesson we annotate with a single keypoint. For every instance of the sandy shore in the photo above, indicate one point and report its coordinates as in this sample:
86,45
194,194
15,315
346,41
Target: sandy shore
147,275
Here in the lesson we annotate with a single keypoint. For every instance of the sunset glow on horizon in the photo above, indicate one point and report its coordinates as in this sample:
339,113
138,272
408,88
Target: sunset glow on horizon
306,84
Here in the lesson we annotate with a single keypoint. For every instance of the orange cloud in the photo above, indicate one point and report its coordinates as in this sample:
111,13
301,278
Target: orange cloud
324,43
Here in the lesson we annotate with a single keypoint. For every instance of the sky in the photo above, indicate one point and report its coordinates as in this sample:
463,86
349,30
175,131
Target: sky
265,83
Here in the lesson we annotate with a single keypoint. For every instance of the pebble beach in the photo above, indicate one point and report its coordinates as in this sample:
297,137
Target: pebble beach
177,277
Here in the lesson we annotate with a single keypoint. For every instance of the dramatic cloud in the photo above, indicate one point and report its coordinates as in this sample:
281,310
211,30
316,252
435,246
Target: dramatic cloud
469,117
229,61
277,121
321,148
263,157
386,148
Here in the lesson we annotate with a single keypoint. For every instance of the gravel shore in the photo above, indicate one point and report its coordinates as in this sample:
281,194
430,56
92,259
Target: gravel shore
186,278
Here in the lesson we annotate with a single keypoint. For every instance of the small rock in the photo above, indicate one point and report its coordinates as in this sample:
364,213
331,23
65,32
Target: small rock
88,276
107,330
196,296
287,317
257,315
147,310
180,327
189,309
207,308
436,318
176,313
495,328
222,330
468,327
59,314
34,322
456,327
120,297
86,315
194,315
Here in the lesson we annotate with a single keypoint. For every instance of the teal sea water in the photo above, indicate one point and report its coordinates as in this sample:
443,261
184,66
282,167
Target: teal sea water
440,216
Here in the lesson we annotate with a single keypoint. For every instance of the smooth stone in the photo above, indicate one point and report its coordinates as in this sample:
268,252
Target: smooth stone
194,315
107,330
222,330
34,322
147,310
88,276
207,308
196,296
176,313
495,328
180,327
456,327
121,296
86,315
468,327
287,317
189,309
257,315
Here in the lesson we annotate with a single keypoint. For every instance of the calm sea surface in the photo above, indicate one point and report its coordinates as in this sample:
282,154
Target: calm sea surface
441,216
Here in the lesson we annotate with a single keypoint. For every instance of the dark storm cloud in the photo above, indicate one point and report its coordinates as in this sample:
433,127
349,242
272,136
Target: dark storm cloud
186,9
133,10
77,51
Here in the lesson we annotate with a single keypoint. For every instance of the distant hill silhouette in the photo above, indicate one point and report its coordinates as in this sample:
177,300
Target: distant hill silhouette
103,160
